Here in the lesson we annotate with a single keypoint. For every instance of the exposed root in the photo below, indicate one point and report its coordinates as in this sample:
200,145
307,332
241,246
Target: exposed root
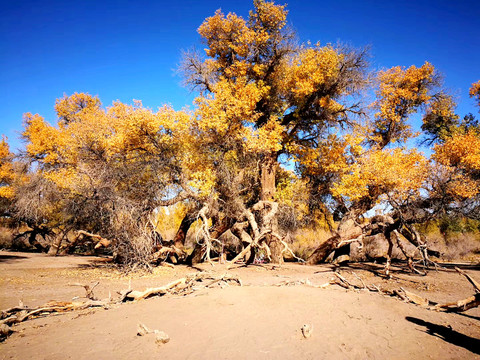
400,293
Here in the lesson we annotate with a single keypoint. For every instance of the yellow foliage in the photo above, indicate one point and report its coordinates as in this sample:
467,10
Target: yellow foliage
401,92
440,119
461,151
333,155
7,174
310,69
226,35
121,135
267,139
460,157
475,91
271,16
395,173
74,107
233,103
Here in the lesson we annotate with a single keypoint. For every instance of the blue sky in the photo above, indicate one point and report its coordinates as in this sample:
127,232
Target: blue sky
130,49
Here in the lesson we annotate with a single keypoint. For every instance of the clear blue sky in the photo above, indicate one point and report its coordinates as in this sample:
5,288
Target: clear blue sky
129,49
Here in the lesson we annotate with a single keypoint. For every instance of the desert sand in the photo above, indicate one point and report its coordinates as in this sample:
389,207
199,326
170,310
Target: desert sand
258,320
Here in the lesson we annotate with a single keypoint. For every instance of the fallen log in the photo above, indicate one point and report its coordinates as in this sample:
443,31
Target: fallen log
19,314
183,286
140,295
464,304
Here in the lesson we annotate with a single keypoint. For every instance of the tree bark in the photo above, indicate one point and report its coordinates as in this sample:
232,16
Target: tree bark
219,227
268,172
55,245
181,235
322,252
347,230
268,187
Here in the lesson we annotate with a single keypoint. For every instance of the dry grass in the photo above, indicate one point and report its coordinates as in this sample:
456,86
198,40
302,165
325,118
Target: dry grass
6,238
460,246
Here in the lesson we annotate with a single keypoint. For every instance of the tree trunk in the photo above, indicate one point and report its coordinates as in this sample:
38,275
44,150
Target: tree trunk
322,252
268,172
181,235
416,241
219,227
56,243
347,230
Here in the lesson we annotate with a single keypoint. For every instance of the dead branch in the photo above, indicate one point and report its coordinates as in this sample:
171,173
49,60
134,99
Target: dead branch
472,281
416,299
89,290
100,241
18,315
183,286
139,295
464,304
408,296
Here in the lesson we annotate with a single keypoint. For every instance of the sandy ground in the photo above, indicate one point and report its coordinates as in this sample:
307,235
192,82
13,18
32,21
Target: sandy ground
255,321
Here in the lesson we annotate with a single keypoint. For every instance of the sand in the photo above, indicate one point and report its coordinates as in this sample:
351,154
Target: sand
256,321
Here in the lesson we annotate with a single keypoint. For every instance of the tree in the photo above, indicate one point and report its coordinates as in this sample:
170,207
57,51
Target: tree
7,173
270,95
457,157
262,99
110,168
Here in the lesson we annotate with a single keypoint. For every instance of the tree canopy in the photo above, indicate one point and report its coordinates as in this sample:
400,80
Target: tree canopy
264,99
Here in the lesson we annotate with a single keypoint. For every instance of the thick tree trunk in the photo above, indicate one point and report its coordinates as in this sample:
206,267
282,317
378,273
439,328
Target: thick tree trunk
347,230
322,252
55,245
181,235
268,172
219,227
268,186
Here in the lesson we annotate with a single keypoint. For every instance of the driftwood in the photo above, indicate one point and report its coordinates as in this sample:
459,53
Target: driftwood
464,304
183,286
402,294
22,313
457,306
140,295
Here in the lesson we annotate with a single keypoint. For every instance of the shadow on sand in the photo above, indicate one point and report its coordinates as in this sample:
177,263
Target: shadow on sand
10,258
449,335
